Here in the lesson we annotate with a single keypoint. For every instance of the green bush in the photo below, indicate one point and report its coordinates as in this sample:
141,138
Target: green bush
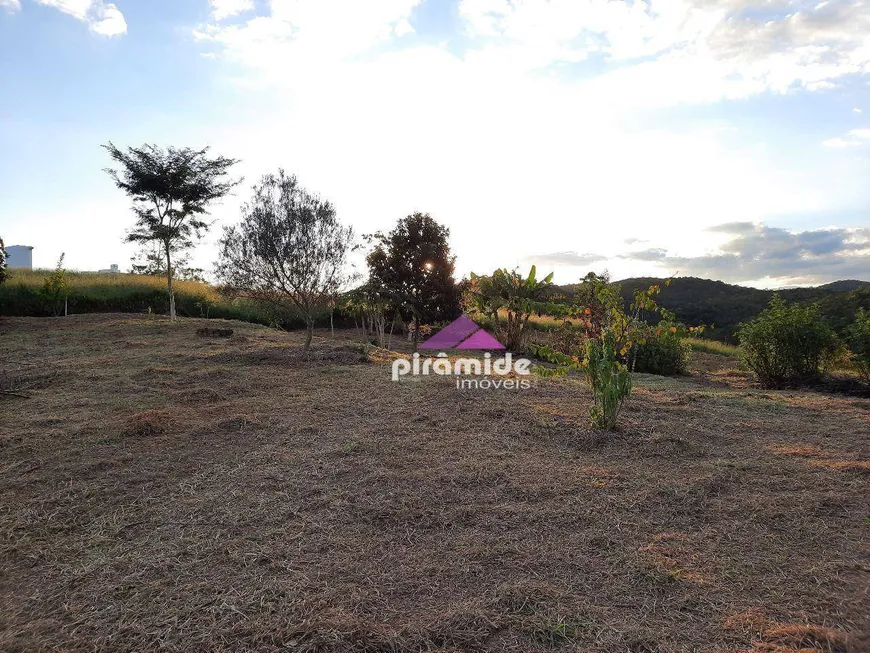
665,354
858,338
787,343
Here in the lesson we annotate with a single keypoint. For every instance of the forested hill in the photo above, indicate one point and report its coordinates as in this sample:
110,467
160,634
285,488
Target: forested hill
724,305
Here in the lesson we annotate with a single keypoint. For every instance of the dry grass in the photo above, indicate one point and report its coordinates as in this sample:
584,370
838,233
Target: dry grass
716,347
162,491
89,281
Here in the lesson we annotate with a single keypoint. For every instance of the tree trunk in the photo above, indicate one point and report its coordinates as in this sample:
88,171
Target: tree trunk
392,326
169,283
416,331
309,332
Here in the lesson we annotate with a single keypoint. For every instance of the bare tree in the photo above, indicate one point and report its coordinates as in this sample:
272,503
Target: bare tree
289,250
170,189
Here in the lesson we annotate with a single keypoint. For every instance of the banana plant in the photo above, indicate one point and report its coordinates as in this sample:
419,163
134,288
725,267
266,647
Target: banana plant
509,300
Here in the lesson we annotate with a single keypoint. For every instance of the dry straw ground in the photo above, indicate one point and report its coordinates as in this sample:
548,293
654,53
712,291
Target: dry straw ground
162,491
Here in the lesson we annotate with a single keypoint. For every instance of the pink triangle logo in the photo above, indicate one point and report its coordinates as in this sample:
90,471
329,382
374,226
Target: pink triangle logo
462,333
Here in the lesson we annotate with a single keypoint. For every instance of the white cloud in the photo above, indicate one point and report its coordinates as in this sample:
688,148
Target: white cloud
732,48
756,251
222,9
10,5
854,138
299,30
102,18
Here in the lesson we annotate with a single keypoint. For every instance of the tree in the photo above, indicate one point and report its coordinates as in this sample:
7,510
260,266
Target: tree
171,189
509,300
4,270
414,267
289,250
371,308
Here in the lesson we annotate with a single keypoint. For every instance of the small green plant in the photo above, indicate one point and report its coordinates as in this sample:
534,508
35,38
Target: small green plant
858,338
608,377
55,288
611,339
787,343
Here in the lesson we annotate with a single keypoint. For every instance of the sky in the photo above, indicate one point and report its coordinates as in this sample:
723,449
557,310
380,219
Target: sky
718,138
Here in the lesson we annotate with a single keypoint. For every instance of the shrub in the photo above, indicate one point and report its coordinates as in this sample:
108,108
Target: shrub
858,338
666,354
55,288
609,379
787,343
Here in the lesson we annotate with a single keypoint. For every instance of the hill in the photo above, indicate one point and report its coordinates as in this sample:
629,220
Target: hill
725,305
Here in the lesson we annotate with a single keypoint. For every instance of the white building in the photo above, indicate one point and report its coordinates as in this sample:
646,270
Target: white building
19,256
113,269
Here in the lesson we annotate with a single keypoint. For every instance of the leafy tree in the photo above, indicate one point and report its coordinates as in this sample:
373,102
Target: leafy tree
858,339
414,267
171,189
4,270
55,288
290,250
509,300
787,343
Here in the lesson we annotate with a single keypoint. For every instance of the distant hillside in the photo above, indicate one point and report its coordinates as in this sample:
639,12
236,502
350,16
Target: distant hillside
847,285
724,305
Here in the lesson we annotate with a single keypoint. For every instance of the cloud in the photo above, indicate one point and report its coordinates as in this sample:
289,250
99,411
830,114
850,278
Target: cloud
102,18
689,51
296,31
652,254
772,253
222,9
565,259
10,5
854,138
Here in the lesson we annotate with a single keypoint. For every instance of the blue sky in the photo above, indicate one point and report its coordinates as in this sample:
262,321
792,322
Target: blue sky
573,134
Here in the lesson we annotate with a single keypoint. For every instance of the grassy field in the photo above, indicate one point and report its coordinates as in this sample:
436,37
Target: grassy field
91,292
713,347
163,491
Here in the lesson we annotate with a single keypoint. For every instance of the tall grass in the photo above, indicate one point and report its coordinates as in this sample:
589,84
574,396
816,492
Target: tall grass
91,292
97,284
713,347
